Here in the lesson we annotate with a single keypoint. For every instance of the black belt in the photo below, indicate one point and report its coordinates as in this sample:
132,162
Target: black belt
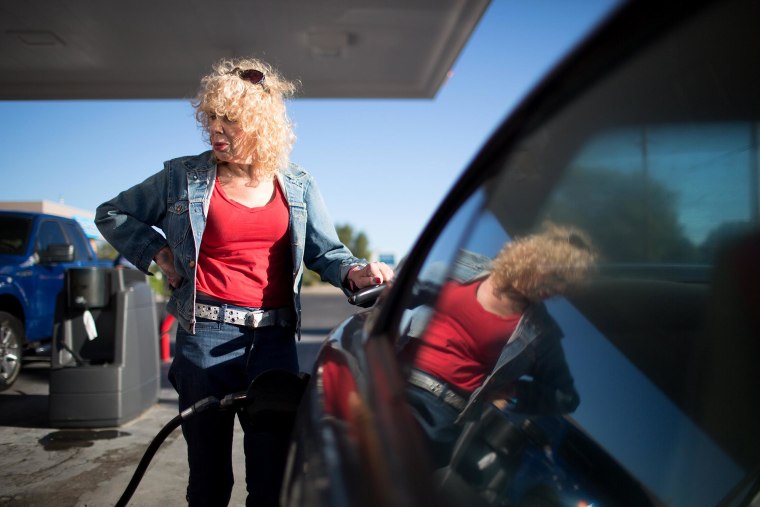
244,317
440,389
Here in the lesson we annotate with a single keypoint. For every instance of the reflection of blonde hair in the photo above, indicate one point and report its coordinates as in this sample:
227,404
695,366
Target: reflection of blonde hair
543,264
259,109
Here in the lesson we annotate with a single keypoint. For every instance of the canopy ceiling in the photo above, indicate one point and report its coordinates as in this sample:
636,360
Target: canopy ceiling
104,49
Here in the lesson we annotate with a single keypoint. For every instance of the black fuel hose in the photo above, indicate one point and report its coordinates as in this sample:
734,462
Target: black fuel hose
198,407
272,399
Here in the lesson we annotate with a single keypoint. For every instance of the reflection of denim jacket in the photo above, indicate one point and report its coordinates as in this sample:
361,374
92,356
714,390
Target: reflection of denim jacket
534,351
176,200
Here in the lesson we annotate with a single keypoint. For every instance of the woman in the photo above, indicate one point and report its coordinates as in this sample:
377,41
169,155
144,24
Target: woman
490,331
241,223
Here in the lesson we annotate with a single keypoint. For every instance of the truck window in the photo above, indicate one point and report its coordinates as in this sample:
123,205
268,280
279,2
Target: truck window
14,234
81,252
50,234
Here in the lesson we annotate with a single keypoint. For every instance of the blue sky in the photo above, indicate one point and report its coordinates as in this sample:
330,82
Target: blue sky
382,165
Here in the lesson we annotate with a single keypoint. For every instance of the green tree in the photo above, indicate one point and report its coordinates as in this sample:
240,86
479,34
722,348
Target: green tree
358,243
631,218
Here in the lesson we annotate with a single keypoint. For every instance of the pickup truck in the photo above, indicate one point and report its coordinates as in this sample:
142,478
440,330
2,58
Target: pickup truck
36,249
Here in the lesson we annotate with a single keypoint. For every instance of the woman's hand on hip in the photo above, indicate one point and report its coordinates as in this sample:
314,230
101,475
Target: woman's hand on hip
373,273
165,260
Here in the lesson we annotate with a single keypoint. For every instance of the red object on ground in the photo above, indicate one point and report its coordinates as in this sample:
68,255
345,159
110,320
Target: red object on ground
166,326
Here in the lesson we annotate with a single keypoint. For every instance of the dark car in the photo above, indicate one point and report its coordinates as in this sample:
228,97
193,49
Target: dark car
648,139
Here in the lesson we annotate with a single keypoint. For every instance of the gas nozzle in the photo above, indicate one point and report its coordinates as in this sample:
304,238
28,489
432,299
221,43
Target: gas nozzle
367,296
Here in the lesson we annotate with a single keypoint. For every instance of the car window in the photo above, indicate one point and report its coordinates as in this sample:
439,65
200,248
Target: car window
638,383
50,234
14,234
434,271
668,194
81,252
661,203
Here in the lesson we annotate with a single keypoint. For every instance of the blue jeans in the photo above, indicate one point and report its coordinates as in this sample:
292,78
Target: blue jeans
218,360
437,420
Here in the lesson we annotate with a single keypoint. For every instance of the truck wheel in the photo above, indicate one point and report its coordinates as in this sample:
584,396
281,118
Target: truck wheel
11,335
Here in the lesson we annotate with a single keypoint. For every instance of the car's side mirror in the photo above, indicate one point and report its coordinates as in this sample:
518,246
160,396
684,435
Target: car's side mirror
57,253
367,296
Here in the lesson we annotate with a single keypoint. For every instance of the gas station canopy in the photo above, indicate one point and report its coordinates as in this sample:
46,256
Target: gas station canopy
95,49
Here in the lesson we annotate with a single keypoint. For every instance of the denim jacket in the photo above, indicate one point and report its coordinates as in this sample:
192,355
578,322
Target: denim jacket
176,201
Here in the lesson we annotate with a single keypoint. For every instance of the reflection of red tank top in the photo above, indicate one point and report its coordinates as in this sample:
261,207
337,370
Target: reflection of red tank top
463,340
245,256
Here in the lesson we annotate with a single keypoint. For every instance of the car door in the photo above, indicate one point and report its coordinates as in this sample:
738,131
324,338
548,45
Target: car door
646,140
44,281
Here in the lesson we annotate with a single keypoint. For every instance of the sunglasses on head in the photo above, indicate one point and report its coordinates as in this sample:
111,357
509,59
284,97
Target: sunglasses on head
253,76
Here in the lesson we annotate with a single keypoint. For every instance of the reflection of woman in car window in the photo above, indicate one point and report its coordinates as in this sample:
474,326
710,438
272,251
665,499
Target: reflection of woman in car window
492,338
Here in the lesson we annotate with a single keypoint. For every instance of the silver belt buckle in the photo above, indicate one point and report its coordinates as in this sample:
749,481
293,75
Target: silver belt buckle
454,400
253,319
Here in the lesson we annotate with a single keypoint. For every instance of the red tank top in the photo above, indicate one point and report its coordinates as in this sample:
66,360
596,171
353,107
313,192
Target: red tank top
245,257
463,341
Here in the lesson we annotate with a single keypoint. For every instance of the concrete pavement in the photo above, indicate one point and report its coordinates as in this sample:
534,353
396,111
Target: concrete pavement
44,466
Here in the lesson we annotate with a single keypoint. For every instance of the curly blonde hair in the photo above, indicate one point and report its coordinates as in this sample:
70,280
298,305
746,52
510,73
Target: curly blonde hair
544,264
259,109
